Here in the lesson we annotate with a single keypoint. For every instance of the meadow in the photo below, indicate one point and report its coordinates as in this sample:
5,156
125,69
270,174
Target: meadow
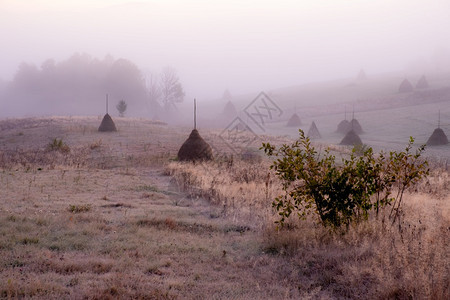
114,215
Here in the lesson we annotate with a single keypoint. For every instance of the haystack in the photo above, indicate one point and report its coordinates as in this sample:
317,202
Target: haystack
294,121
195,148
351,138
227,95
343,127
107,124
313,132
437,138
422,83
405,86
355,126
362,75
229,111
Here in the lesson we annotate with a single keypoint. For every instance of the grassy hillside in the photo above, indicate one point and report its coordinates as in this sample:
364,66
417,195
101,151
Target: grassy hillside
387,117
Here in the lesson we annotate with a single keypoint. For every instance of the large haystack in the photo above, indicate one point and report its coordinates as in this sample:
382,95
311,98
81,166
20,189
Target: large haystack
195,148
294,121
351,138
437,138
313,132
107,124
422,83
343,127
405,87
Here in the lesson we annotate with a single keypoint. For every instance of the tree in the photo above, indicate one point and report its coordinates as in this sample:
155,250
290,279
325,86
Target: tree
170,88
153,89
121,107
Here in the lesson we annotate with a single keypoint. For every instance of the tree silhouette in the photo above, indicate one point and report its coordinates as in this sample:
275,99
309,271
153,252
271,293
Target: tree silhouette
121,107
171,88
74,85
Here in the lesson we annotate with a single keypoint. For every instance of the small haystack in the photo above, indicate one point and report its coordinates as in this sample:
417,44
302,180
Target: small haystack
355,126
195,148
405,87
294,121
229,111
227,95
343,127
313,132
107,124
361,75
438,138
422,83
351,138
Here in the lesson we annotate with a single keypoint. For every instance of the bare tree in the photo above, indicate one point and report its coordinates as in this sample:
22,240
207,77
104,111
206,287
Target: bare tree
153,89
170,88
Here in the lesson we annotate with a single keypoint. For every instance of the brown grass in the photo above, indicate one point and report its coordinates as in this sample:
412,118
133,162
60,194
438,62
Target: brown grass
104,221
400,261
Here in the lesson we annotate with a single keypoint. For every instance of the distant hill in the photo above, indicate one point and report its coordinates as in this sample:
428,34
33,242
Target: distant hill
377,92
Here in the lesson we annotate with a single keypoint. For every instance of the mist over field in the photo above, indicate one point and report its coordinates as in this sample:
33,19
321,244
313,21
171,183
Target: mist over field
239,149
63,57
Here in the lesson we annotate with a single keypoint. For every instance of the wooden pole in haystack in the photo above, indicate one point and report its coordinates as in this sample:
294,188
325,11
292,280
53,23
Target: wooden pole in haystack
195,114
438,136
353,116
107,122
439,119
195,148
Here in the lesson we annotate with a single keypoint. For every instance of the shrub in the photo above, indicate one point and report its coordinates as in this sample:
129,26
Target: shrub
58,145
341,193
79,208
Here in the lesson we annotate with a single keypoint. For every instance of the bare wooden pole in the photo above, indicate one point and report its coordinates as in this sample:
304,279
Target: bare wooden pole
439,119
353,115
106,103
195,114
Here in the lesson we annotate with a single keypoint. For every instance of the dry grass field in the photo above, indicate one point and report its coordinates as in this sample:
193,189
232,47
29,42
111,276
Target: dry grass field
113,215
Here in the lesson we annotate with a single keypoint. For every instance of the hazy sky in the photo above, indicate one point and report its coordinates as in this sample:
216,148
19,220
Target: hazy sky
240,45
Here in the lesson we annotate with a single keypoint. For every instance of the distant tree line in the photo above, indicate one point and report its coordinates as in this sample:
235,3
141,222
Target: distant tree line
78,86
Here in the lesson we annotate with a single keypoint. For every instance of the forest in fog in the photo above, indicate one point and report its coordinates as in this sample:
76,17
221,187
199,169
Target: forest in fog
76,85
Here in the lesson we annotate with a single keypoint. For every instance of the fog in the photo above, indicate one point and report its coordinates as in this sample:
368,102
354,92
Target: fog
242,46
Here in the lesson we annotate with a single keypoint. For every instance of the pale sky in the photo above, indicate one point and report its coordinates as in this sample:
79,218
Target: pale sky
240,45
